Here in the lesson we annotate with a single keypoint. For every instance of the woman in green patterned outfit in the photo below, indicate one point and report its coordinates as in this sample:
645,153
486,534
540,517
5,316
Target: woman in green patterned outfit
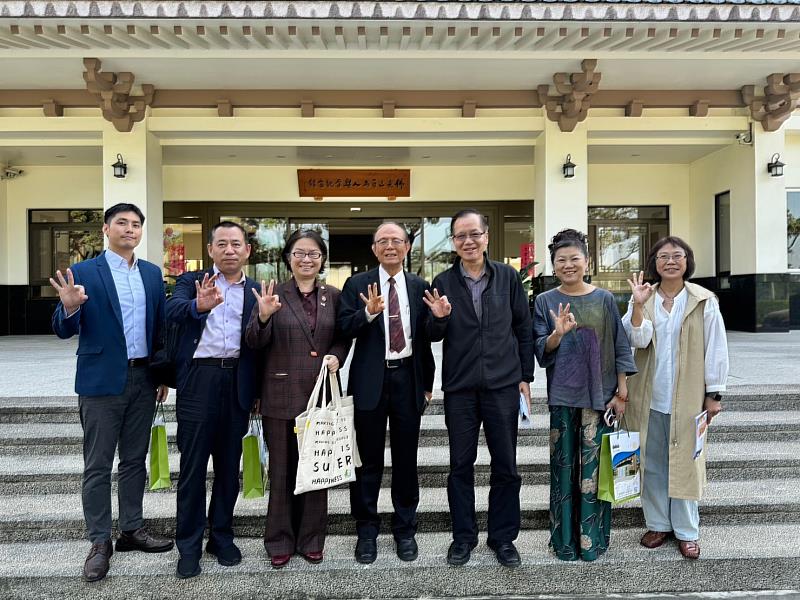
581,343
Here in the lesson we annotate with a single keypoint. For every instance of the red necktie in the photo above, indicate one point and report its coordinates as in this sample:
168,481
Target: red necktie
397,339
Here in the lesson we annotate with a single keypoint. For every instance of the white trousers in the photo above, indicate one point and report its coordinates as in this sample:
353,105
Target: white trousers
662,513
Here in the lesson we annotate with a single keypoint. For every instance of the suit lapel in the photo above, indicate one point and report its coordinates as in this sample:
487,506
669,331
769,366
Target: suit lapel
323,306
249,302
111,289
411,292
296,306
374,277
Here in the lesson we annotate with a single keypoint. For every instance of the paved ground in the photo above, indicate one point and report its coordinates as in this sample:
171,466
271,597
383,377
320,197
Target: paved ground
45,365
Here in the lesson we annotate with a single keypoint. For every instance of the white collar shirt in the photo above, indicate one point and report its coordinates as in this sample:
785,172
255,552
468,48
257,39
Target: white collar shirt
405,312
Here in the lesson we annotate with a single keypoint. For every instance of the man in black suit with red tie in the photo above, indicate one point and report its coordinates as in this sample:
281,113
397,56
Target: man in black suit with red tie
391,378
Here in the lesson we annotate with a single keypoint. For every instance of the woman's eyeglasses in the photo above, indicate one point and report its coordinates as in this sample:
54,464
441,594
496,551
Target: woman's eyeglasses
313,255
677,257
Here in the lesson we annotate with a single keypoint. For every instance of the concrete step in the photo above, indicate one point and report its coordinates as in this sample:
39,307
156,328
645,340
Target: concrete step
737,461
60,516
67,438
64,409
757,557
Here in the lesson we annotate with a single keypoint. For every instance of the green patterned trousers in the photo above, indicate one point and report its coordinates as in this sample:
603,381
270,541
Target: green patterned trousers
580,524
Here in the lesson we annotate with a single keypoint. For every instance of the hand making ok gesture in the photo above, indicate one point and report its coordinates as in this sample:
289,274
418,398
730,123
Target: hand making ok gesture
374,301
268,302
208,295
564,320
71,295
640,290
439,305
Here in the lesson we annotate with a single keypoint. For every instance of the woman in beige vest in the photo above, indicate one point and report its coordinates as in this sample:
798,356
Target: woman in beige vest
682,356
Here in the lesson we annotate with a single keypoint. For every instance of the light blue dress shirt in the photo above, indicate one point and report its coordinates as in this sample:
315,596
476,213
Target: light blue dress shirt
222,335
132,303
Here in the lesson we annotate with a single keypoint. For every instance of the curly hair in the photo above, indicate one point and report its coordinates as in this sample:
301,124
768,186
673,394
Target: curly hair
568,238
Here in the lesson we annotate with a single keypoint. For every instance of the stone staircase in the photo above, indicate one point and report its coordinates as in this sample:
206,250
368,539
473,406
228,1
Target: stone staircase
750,521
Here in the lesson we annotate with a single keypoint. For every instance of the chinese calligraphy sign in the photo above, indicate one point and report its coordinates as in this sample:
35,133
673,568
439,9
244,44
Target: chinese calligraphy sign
386,183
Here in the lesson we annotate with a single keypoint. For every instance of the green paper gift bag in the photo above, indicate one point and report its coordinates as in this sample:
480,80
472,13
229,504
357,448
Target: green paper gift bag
159,459
254,458
620,478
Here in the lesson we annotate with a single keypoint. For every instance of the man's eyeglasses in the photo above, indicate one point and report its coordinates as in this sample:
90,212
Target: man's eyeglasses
313,255
462,237
677,257
383,242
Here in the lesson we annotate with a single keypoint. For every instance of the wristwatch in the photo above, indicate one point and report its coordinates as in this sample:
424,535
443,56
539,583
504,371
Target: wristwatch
714,396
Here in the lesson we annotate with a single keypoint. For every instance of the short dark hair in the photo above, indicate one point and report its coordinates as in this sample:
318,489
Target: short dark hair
465,213
568,238
121,208
225,224
300,234
396,224
652,272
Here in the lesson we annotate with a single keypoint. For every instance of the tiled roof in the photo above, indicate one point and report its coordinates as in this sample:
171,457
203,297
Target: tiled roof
754,11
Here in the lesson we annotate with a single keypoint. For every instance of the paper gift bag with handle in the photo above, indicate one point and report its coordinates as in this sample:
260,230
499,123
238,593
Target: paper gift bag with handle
620,476
254,459
159,458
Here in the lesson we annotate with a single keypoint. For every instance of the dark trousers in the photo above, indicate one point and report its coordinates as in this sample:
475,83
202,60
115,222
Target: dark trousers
398,405
294,523
498,411
109,421
210,423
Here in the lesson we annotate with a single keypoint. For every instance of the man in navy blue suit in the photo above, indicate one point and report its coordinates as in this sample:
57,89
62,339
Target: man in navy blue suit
216,376
115,303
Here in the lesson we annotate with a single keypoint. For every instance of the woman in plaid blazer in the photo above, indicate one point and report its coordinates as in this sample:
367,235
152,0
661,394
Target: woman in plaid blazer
294,323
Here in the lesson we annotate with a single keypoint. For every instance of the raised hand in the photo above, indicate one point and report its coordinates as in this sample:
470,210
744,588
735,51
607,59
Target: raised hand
640,290
374,300
268,302
71,295
208,296
565,320
439,305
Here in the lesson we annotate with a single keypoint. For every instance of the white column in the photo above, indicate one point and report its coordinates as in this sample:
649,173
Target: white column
141,151
559,203
766,241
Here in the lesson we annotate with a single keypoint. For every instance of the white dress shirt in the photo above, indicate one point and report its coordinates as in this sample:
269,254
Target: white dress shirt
222,335
405,311
667,331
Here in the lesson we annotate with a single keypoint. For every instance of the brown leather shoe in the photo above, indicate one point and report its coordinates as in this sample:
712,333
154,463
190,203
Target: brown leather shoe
689,549
654,539
280,560
96,565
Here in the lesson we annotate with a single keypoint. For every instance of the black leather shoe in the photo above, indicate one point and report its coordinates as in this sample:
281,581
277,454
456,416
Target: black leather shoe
227,556
507,554
188,566
366,551
96,565
140,539
407,549
459,553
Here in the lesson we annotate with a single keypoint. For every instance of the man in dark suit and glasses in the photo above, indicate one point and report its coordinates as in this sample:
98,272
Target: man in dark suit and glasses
115,303
391,377
216,375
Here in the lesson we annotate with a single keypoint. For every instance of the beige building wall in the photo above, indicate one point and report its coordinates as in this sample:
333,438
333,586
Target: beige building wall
4,246
791,156
270,184
44,187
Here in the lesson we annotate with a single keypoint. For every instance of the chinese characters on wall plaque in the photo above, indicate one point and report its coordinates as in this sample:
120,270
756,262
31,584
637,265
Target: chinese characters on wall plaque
362,183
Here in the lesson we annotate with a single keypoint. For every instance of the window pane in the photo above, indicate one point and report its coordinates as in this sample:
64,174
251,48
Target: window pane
723,233
266,237
74,246
86,216
519,249
49,216
184,249
613,213
437,248
619,248
793,229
